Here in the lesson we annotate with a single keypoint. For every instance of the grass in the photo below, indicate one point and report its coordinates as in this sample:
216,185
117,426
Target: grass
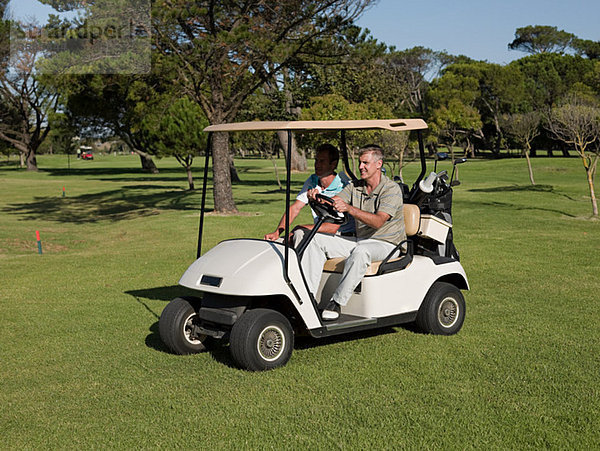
82,364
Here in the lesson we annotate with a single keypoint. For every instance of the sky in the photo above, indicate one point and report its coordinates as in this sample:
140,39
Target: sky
479,29
24,9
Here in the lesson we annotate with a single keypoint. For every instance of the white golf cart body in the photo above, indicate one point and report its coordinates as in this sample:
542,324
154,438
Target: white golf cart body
251,268
254,268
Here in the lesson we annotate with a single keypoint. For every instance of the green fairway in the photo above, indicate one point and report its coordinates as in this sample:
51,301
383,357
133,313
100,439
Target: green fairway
82,364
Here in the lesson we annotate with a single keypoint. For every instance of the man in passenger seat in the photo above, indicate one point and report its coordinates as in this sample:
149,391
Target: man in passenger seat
326,181
375,203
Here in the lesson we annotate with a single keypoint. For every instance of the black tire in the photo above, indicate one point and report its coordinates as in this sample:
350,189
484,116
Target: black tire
261,339
443,310
175,324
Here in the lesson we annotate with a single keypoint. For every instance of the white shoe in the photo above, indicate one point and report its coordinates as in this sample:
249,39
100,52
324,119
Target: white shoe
331,312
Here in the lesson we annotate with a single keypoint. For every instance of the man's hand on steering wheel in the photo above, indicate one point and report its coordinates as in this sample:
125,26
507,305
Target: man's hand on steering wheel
324,208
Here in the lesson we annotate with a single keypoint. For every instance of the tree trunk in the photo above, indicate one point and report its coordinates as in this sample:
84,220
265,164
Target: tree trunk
233,173
298,160
147,162
401,164
353,157
590,180
31,161
222,193
188,170
526,152
276,173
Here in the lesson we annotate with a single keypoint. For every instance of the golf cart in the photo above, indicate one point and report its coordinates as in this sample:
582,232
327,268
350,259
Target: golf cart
252,293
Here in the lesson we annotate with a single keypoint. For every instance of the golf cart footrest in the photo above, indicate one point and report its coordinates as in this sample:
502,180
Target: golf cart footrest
218,316
350,321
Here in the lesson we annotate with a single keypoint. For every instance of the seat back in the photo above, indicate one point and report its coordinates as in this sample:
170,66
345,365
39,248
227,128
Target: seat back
412,219
412,222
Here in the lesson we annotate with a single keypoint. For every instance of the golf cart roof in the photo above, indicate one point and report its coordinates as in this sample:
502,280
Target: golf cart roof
396,125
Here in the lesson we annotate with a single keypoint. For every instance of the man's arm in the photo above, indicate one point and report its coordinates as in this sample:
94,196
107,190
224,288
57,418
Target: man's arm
294,211
374,220
326,227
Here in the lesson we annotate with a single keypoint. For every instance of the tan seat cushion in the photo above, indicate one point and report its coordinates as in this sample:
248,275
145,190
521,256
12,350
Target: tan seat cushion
412,220
337,265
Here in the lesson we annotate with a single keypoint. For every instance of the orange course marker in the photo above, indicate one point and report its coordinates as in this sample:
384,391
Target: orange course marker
39,241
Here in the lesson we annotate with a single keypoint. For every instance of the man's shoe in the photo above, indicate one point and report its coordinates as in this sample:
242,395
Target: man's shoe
331,312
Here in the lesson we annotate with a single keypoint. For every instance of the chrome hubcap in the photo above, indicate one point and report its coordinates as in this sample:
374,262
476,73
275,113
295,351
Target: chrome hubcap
448,312
188,329
271,343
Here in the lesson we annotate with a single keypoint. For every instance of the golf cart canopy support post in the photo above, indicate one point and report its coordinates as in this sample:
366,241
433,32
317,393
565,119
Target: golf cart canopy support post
204,185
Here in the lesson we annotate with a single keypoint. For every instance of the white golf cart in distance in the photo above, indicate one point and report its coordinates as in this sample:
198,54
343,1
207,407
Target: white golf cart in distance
253,294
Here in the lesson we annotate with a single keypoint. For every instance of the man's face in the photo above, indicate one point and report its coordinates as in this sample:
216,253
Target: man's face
368,168
324,167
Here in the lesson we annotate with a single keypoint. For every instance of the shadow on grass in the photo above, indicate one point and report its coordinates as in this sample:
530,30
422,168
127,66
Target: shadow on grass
161,293
515,207
101,171
308,342
114,205
521,188
129,202
218,349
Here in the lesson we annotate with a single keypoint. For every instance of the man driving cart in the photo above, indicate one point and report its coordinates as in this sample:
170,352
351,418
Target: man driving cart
375,203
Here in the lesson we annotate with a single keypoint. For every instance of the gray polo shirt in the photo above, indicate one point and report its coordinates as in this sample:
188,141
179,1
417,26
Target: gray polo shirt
386,197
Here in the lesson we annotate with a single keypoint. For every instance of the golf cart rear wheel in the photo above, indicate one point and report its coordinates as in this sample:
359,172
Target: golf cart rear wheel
442,311
261,339
177,327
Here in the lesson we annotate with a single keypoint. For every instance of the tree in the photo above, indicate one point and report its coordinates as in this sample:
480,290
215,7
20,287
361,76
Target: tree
453,114
111,104
176,130
224,51
107,57
413,69
26,102
591,49
524,127
541,39
501,91
549,77
456,122
577,122
63,134
336,107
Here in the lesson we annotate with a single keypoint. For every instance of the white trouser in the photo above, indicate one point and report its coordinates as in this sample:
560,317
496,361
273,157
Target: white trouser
359,255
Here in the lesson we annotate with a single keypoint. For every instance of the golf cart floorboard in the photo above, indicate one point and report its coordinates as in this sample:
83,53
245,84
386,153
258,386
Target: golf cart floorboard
350,323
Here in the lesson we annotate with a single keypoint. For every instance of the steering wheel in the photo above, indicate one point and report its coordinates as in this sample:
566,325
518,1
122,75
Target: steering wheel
326,211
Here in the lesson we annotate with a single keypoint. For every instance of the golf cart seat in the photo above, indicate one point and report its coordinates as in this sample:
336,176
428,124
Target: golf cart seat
412,220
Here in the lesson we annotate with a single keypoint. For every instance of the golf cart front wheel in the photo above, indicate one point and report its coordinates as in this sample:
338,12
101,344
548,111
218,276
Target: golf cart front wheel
442,311
261,339
178,327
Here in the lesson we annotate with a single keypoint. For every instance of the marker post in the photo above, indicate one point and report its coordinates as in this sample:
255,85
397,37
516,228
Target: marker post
39,241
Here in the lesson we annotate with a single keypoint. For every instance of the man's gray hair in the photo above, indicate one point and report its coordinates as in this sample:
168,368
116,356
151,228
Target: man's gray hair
374,149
